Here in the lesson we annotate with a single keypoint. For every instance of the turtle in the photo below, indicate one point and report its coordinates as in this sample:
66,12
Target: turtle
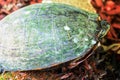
43,35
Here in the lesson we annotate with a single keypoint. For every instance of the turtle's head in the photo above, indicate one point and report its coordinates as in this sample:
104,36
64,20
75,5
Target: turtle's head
104,27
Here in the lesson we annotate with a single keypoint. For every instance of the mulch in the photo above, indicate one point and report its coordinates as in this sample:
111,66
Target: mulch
8,6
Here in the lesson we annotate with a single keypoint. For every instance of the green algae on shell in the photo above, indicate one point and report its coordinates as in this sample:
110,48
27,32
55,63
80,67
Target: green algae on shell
41,35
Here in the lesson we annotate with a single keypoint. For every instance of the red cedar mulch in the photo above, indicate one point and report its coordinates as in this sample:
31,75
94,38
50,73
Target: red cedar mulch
8,6
100,66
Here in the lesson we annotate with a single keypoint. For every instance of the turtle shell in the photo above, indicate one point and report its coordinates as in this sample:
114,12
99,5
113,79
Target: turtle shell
41,35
